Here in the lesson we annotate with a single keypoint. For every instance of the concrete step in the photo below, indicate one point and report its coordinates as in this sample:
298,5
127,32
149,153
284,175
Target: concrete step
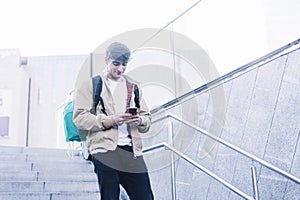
22,157
38,173
19,176
44,176
81,176
56,158
40,153
50,196
49,186
10,150
63,167
24,196
16,166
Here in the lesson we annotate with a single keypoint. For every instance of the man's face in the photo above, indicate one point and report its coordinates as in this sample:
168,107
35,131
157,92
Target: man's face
116,68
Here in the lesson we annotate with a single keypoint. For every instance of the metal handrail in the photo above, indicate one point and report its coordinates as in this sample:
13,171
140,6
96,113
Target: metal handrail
229,76
231,146
254,182
206,171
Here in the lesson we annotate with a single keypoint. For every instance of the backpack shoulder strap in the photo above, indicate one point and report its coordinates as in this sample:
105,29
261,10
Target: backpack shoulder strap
97,89
134,87
136,96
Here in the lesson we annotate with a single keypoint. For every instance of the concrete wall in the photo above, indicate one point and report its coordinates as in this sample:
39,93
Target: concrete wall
14,84
262,114
52,78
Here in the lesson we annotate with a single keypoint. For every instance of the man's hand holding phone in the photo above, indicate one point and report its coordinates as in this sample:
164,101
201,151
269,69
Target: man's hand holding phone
129,117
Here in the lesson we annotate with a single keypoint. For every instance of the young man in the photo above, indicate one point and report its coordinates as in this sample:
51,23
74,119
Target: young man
114,134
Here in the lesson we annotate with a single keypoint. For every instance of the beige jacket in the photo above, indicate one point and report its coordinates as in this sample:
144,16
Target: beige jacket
102,134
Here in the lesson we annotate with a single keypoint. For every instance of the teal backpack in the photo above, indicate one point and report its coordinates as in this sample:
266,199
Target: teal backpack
71,131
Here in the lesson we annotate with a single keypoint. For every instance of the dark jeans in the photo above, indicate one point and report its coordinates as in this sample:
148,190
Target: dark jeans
121,167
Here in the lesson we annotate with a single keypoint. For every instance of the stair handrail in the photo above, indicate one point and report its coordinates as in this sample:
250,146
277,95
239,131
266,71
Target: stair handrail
195,164
231,146
229,76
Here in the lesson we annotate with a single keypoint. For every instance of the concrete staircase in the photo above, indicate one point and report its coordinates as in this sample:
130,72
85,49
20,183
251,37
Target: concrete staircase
45,174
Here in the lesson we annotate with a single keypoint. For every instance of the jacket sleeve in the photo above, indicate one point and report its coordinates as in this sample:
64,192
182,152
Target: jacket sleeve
83,103
144,114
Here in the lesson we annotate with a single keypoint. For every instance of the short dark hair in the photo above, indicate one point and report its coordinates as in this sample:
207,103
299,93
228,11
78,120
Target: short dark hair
118,51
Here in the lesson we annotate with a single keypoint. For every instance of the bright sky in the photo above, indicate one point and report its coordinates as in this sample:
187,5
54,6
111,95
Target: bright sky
65,27
54,27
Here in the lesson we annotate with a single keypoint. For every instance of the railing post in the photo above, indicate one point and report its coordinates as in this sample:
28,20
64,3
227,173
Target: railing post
254,182
173,179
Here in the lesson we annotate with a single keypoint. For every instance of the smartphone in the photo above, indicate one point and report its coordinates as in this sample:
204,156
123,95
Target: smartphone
132,110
